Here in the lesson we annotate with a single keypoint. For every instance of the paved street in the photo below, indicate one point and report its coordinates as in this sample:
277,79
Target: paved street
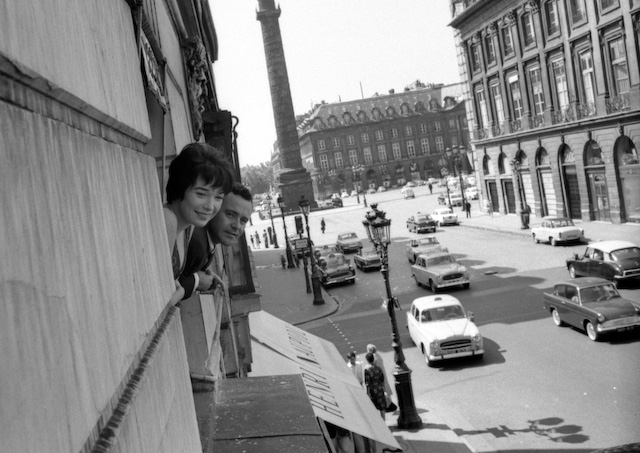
539,387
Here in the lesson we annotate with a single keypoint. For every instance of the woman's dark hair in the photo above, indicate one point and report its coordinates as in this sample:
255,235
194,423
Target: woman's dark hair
198,160
370,357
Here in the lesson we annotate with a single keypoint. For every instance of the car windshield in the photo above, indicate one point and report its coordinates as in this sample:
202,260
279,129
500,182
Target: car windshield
442,313
427,241
625,254
444,211
598,293
348,236
423,218
561,223
440,260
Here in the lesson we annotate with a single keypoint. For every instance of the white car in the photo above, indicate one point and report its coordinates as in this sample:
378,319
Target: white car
445,216
471,193
441,329
425,245
556,230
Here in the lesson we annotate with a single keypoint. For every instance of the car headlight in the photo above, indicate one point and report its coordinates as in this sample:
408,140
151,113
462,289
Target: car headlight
466,274
600,317
439,278
477,339
434,346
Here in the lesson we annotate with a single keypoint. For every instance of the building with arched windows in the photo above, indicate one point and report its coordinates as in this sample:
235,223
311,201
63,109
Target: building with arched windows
553,91
384,140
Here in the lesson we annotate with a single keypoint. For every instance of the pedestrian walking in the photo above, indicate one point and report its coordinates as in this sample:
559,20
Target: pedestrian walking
253,244
389,406
283,261
364,199
374,382
265,237
355,366
488,207
257,239
323,225
467,208
430,188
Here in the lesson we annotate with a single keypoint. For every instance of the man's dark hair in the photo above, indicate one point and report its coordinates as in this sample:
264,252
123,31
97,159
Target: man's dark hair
198,160
242,190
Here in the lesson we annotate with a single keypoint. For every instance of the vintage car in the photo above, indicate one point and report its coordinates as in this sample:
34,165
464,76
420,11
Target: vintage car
325,250
407,192
294,239
335,268
439,270
441,329
456,199
617,261
424,246
593,305
348,242
421,223
556,230
367,259
444,216
471,193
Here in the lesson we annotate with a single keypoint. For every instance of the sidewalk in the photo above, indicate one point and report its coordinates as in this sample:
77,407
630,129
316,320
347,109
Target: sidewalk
283,294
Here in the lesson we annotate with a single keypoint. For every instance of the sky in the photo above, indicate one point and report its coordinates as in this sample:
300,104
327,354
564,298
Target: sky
335,50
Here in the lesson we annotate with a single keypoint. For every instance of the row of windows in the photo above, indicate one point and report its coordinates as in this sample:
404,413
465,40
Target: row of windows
393,133
382,153
566,83
534,25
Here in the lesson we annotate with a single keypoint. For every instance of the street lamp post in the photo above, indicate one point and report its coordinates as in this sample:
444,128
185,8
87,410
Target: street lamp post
379,231
455,155
524,213
315,272
273,228
281,205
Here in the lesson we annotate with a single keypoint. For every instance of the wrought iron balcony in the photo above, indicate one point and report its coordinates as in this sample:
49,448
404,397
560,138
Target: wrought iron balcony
618,103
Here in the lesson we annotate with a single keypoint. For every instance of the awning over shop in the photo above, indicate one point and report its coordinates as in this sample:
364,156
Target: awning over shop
266,414
334,393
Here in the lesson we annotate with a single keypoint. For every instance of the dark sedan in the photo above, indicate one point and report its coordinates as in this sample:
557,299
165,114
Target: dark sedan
593,305
614,260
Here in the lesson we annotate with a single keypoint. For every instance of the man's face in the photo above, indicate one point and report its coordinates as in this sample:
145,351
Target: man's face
228,225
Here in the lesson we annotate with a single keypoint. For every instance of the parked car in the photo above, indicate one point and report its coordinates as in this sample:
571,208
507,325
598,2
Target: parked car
336,268
613,260
471,193
410,184
593,305
382,189
424,245
442,329
348,242
444,216
420,182
407,192
370,191
439,270
421,223
556,230
325,250
456,199
337,202
344,194
354,193
442,198
367,259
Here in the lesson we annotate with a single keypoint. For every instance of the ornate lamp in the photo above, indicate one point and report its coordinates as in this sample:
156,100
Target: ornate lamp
379,232
281,205
304,205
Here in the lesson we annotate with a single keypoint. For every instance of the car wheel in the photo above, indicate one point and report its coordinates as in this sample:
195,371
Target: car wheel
592,333
433,286
465,285
572,272
553,241
535,239
556,317
426,357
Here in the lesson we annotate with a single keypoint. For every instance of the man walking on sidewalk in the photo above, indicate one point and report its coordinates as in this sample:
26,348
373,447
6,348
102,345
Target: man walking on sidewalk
467,208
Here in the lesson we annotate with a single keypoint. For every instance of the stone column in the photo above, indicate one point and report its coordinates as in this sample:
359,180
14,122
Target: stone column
294,178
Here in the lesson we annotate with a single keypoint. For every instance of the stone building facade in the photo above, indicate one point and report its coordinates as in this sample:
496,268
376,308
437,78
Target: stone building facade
385,140
553,103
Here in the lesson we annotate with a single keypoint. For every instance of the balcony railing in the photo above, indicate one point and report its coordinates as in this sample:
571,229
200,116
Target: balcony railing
536,121
618,103
573,112
515,126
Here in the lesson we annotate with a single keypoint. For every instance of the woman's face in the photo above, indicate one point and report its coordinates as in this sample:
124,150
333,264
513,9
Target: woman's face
200,203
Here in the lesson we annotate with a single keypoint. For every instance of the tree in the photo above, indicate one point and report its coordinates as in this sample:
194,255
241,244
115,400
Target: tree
259,178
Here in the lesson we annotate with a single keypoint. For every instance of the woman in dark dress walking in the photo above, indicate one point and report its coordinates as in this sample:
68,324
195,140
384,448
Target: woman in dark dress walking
374,382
